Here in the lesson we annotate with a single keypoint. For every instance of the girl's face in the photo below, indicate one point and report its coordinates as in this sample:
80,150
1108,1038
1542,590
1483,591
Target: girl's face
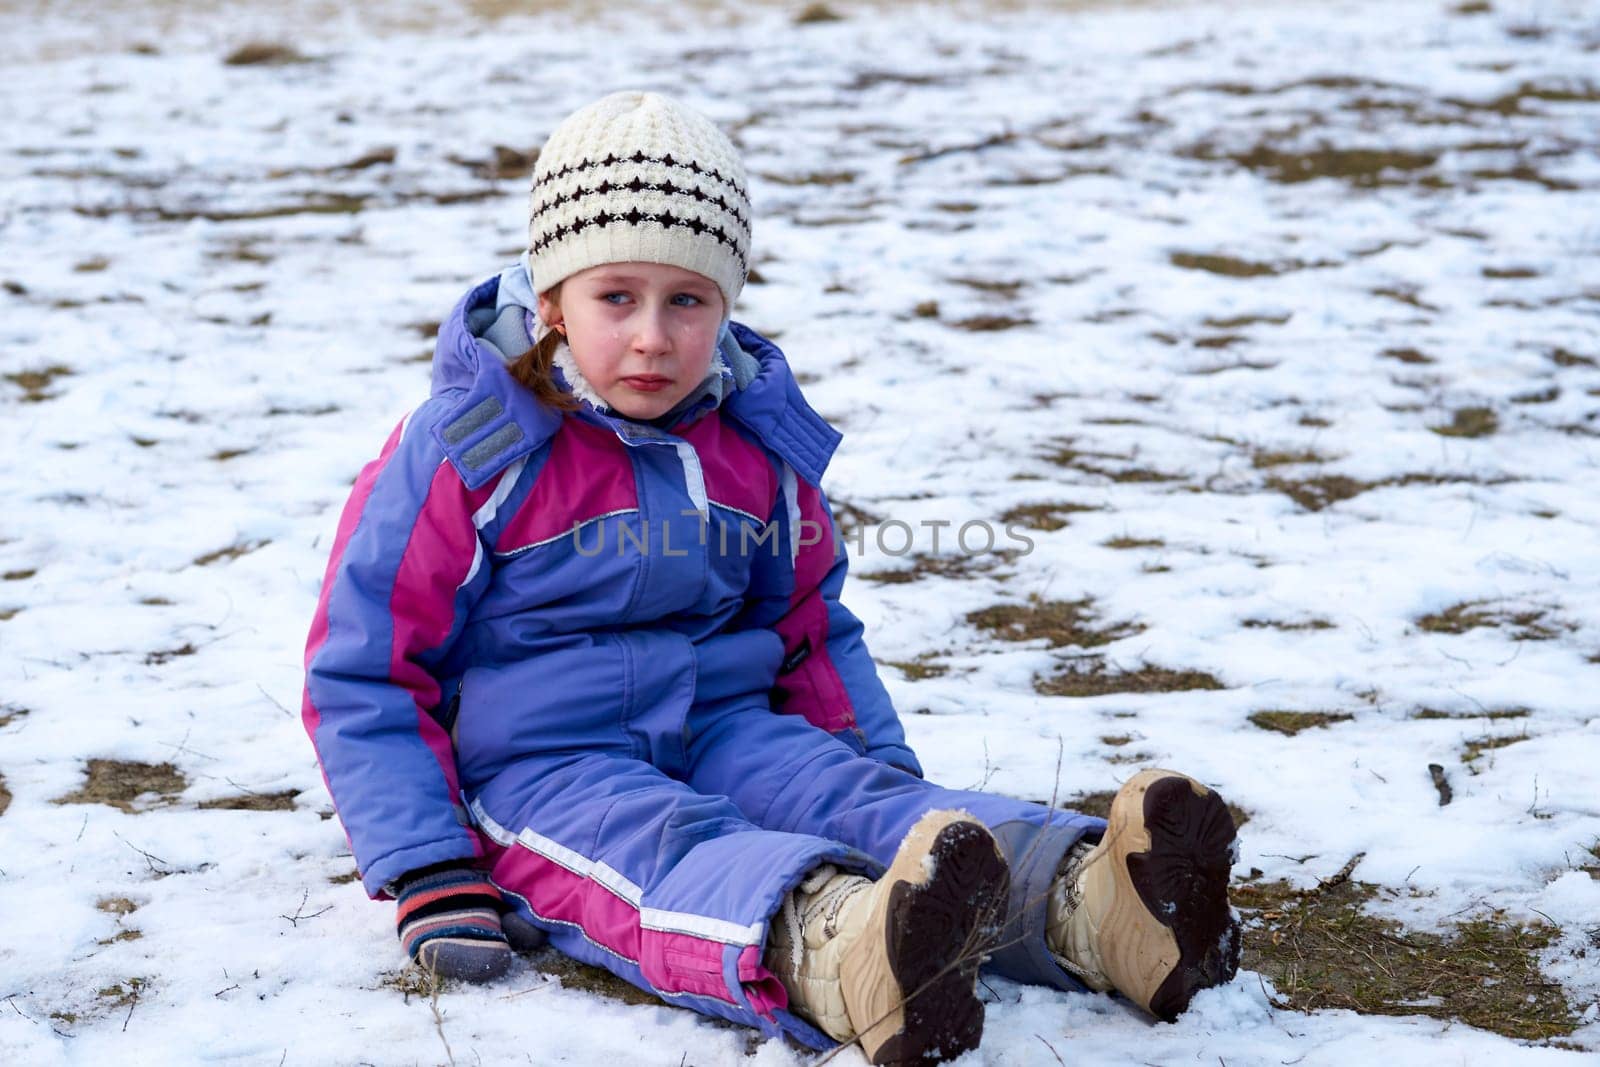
643,334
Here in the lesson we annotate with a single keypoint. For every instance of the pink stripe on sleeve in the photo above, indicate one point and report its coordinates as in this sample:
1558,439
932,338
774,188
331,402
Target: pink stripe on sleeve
348,520
435,563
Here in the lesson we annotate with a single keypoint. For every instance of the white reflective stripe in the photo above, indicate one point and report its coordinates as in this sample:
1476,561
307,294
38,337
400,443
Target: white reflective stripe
485,514
672,922
477,561
497,833
520,549
694,476
677,922
791,499
508,481
736,511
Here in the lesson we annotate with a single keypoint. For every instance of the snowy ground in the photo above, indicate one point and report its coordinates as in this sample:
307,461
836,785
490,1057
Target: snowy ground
1337,440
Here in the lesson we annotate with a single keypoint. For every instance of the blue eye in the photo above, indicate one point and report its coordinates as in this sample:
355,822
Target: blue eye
619,297
690,297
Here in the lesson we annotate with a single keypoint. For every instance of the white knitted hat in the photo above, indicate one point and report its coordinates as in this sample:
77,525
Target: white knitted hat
639,178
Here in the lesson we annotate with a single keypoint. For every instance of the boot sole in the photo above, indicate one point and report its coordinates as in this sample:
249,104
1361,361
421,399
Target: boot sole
1178,847
937,936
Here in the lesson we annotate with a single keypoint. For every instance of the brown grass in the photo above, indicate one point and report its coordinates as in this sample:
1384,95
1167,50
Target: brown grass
1470,422
1473,750
1526,624
1044,516
1125,542
1096,680
923,666
1322,950
1492,714
1061,623
5,795
1265,459
574,975
1228,266
1561,357
121,783
160,656
991,323
280,801
35,384
943,565
1320,492
1290,723
233,551
263,54
1406,355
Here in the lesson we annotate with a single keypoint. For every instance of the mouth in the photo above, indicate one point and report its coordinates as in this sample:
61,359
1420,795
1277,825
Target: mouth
647,383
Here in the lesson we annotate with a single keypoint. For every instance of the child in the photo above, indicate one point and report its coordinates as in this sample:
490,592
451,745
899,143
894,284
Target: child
580,666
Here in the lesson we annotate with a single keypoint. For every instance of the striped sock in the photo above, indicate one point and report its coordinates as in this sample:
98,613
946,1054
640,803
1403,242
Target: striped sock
449,921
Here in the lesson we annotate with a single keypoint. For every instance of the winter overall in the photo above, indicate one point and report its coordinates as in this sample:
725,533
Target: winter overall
610,658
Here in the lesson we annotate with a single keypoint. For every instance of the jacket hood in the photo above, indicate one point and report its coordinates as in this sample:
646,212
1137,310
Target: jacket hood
490,325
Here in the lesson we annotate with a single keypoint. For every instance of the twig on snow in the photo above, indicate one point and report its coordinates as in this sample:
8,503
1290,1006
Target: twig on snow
274,701
1052,1049
149,860
133,1002
299,911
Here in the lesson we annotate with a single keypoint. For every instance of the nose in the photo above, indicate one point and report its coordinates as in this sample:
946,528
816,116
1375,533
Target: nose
650,336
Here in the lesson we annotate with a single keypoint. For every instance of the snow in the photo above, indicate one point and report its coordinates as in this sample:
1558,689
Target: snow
155,238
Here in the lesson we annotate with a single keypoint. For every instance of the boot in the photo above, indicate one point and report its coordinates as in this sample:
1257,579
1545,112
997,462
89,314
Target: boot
1145,912
894,963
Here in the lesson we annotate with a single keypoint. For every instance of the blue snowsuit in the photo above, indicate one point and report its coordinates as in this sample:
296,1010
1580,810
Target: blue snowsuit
609,658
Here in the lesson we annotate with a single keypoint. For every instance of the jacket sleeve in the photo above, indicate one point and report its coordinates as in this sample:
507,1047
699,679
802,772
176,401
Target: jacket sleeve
406,566
828,675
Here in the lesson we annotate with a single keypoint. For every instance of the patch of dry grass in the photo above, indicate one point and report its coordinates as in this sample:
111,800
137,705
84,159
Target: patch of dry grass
991,323
122,783
1406,355
574,975
1097,680
1469,422
1061,623
35,384
1324,490
1525,624
1492,714
1263,459
263,54
1323,950
279,801
233,551
924,666
1290,723
1232,266
1474,750
1046,516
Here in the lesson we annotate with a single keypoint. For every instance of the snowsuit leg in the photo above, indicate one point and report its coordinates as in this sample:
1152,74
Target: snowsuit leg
665,887
785,775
